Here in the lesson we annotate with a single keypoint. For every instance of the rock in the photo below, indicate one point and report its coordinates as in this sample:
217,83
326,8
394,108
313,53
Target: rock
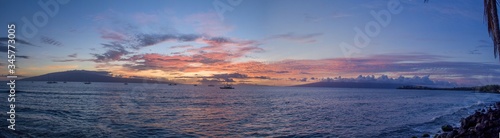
442,135
483,123
479,127
447,128
426,135
452,134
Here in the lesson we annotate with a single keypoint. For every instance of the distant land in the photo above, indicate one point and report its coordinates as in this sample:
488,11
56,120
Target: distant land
380,85
486,88
86,76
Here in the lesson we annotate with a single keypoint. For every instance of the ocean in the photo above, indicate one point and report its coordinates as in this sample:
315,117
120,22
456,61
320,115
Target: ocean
75,109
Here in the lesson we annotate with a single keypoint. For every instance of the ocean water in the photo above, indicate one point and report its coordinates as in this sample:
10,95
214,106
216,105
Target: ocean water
74,109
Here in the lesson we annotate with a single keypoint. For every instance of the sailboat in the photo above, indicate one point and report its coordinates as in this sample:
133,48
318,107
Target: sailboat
227,86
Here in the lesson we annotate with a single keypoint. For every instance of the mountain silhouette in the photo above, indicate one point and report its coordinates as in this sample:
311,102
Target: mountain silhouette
354,85
87,76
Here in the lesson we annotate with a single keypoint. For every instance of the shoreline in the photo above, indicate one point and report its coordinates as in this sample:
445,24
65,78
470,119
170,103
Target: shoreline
481,89
484,123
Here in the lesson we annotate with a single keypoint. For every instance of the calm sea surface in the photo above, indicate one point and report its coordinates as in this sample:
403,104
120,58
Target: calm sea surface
74,109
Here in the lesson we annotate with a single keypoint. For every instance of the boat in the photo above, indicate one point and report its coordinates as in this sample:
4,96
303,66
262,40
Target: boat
51,82
125,83
87,82
211,85
64,82
227,87
195,85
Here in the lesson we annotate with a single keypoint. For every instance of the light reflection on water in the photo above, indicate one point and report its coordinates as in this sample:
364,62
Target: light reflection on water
111,109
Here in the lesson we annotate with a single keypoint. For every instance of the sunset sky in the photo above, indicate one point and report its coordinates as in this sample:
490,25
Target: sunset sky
276,42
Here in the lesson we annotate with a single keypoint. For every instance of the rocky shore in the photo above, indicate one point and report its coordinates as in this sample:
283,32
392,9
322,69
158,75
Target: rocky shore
484,123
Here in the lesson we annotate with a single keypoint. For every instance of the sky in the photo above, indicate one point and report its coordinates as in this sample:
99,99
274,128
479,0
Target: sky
278,42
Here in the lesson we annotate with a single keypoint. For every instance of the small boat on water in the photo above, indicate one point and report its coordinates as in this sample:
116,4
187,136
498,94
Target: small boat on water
211,85
227,87
125,83
195,85
51,82
87,82
64,82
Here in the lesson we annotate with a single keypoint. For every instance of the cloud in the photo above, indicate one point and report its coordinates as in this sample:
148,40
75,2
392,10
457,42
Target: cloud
3,41
115,52
144,40
74,55
232,75
210,81
227,77
392,64
333,15
485,44
307,38
282,72
415,80
50,41
73,60
217,51
140,40
453,11
212,48
208,23
21,56
4,48
181,46
112,35
209,50
411,64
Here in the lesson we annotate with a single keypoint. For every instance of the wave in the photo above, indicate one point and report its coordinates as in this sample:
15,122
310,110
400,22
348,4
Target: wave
434,125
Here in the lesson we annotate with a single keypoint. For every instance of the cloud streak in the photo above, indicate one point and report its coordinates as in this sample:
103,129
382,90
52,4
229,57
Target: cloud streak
306,38
50,41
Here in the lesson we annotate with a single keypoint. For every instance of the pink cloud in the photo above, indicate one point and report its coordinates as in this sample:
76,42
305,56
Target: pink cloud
112,35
